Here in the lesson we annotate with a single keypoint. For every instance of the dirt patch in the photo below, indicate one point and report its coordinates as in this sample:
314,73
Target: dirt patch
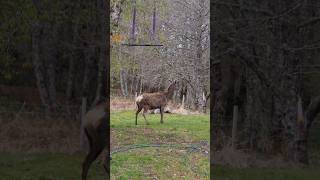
183,111
122,104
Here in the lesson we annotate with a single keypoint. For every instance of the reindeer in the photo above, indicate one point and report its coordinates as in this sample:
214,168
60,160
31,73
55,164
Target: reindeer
96,130
150,101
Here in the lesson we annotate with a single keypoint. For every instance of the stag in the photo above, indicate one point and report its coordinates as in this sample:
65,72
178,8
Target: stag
157,100
96,130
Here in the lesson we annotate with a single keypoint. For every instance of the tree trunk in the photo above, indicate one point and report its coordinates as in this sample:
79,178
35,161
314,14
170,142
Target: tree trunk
116,12
51,61
141,85
38,66
304,121
70,79
125,83
71,70
136,84
132,85
83,141
182,102
236,93
102,73
122,83
234,126
88,64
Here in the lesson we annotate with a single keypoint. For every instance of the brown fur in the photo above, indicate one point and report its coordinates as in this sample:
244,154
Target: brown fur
149,101
96,131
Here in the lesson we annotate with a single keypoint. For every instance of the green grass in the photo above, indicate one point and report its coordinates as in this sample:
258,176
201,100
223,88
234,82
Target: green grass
176,128
173,162
226,173
142,163
45,166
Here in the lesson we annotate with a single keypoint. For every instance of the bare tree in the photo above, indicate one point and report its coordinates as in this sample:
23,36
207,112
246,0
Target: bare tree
267,45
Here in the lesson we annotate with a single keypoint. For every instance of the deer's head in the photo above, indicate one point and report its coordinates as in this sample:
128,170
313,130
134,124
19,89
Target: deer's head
173,86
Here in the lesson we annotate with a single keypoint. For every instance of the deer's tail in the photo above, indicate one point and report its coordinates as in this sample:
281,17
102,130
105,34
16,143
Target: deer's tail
137,100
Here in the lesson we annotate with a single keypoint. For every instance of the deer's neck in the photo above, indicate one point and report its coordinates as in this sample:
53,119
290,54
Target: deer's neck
170,91
169,94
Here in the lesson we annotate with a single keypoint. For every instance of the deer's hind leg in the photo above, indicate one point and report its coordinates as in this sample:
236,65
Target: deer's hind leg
139,109
95,150
145,109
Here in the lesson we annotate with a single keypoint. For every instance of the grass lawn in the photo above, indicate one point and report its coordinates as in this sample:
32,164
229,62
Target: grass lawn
226,173
181,152
45,166
173,159
182,158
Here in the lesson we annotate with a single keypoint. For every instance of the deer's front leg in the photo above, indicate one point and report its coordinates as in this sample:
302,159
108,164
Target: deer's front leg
139,109
161,112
